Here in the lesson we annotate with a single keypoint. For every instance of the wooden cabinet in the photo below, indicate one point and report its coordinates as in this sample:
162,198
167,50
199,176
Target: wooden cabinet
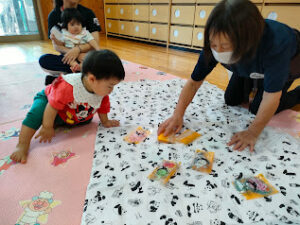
181,22
159,13
160,1
183,14
140,12
125,12
198,37
282,1
140,30
125,28
111,11
159,32
286,14
181,35
183,1
112,26
202,13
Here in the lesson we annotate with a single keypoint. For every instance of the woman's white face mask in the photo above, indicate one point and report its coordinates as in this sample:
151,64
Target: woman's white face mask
222,57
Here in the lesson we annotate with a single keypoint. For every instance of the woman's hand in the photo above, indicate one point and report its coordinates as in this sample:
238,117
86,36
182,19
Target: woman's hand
242,140
71,55
171,126
46,134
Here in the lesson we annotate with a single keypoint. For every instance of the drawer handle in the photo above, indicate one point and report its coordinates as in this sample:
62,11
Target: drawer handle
108,10
137,28
175,33
137,12
202,14
200,36
122,11
154,30
272,16
177,13
109,25
154,12
122,27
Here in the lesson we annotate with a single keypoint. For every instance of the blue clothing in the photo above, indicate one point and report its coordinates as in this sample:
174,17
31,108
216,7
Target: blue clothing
272,60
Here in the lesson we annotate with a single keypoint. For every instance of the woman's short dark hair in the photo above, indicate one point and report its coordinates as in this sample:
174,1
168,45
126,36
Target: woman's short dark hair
241,21
70,14
103,64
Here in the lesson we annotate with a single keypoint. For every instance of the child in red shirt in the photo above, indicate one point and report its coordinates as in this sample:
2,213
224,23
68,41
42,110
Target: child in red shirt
72,99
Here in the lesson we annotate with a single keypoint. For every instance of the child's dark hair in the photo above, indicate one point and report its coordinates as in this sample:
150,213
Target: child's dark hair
103,64
59,3
70,14
241,21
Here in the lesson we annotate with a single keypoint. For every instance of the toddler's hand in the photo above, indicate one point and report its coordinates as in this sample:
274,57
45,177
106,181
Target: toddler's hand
111,123
46,134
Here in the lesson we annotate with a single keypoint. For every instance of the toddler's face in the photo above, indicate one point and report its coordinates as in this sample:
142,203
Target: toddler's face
104,86
74,27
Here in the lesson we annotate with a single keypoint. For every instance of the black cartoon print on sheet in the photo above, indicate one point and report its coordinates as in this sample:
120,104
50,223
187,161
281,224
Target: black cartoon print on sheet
130,194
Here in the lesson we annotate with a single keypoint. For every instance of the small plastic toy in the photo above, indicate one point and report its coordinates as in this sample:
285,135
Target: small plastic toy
170,139
187,137
137,136
203,161
164,171
254,187
60,158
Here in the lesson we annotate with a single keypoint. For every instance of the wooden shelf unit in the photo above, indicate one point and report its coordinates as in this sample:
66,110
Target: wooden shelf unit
180,22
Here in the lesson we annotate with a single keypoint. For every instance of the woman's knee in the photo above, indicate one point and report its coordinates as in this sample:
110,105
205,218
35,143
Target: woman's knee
232,100
43,61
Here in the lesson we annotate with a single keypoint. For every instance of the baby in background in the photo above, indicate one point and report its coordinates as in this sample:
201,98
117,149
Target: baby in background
72,99
73,34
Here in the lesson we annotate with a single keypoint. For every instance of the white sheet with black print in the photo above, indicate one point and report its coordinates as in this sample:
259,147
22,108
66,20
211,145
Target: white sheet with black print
119,191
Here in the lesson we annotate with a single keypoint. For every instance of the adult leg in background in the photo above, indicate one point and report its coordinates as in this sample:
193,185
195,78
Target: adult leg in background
238,90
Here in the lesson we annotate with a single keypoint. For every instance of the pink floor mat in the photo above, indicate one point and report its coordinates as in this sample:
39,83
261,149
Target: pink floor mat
50,188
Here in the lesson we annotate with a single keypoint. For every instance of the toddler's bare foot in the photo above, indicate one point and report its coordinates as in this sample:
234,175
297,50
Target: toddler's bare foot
20,155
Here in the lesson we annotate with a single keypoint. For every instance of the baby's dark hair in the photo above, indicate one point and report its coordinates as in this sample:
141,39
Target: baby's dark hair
58,3
70,14
241,21
103,64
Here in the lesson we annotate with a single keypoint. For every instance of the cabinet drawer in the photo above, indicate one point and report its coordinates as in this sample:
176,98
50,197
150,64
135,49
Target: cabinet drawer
183,1
124,1
181,35
110,1
140,1
140,30
111,11
208,1
202,14
159,13
140,12
159,32
125,27
112,26
160,1
286,14
282,1
183,14
198,37
125,12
